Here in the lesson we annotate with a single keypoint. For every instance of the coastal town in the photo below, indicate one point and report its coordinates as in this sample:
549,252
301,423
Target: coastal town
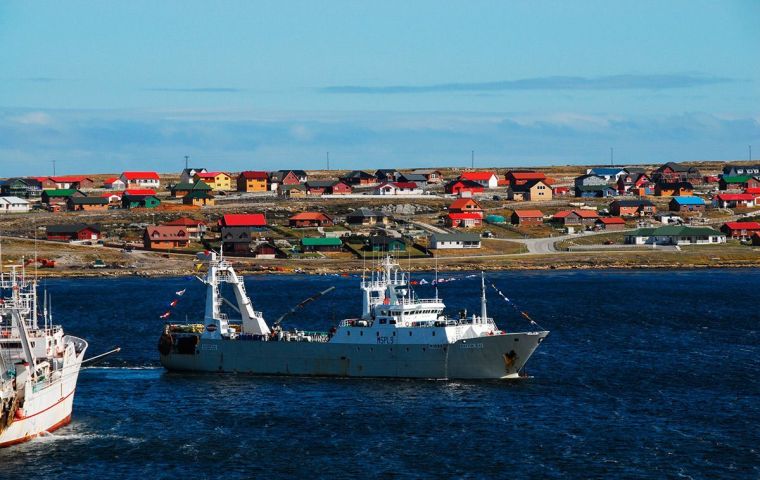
143,222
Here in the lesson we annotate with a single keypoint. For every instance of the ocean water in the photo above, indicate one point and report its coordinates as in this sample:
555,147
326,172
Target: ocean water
646,374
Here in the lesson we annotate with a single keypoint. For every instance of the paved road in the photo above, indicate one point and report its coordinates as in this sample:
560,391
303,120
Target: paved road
547,244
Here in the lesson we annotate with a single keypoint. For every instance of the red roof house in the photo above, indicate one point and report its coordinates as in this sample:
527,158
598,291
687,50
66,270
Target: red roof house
243,220
140,179
463,205
576,217
463,187
463,220
527,217
139,191
733,200
521,178
310,219
740,230
610,223
486,179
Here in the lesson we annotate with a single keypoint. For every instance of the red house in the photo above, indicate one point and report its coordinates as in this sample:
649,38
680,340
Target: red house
463,220
243,220
521,178
74,231
310,219
610,223
560,191
464,205
741,230
527,217
486,179
463,187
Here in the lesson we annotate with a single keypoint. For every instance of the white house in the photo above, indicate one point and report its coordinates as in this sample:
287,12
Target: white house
188,174
114,183
675,235
454,240
14,205
140,180
398,188
486,179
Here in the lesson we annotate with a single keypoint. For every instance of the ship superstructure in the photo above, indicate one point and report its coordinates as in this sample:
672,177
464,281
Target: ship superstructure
39,363
396,335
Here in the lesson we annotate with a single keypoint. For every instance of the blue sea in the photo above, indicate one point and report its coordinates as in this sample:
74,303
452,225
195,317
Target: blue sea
646,374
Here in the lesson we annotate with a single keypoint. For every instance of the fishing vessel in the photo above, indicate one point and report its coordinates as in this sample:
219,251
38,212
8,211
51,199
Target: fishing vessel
39,363
396,335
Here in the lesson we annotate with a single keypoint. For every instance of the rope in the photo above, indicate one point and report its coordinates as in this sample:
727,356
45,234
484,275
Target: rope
511,304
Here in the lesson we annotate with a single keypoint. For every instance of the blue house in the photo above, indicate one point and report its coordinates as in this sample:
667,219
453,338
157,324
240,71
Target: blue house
686,204
594,191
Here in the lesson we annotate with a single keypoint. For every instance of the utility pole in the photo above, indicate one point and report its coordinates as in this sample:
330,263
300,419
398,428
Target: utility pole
328,160
53,168
750,152
187,157
612,157
472,159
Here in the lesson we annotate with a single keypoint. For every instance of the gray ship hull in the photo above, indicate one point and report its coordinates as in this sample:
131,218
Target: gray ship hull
489,357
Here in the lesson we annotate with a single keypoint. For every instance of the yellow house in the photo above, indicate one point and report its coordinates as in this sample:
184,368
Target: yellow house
216,180
250,181
532,191
199,199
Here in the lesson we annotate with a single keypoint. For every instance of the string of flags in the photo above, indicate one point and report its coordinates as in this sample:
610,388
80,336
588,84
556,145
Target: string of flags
172,304
512,304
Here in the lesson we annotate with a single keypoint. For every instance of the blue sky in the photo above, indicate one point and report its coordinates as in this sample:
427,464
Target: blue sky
106,86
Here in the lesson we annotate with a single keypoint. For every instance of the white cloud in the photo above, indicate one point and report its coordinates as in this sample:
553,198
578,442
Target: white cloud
33,118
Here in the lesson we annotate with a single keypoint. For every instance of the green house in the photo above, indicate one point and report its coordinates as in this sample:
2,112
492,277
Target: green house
381,243
319,244
60,195
140,201
183,188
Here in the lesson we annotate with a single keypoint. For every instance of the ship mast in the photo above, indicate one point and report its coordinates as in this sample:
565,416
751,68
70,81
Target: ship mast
483,312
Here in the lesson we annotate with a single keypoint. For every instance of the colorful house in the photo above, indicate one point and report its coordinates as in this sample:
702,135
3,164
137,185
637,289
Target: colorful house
218,181
199,198
367,217
576,217
527,217
432,177
188,174
236,240
485,179
286,177
294,190
140,180
79,204
686,204
59,196
129,201
321,244
465,205
73,232
673,172
632,208
733,170
384,243
183,188
463,188
359,178
310,219
463,220
196,229
522,177
327,187
610,223
738,182
255,221
253,181
740,230
595,191
734,200
74,182
164,237
632,182
676,189
531,191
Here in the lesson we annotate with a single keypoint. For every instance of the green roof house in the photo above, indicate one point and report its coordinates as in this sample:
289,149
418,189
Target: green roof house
319,244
